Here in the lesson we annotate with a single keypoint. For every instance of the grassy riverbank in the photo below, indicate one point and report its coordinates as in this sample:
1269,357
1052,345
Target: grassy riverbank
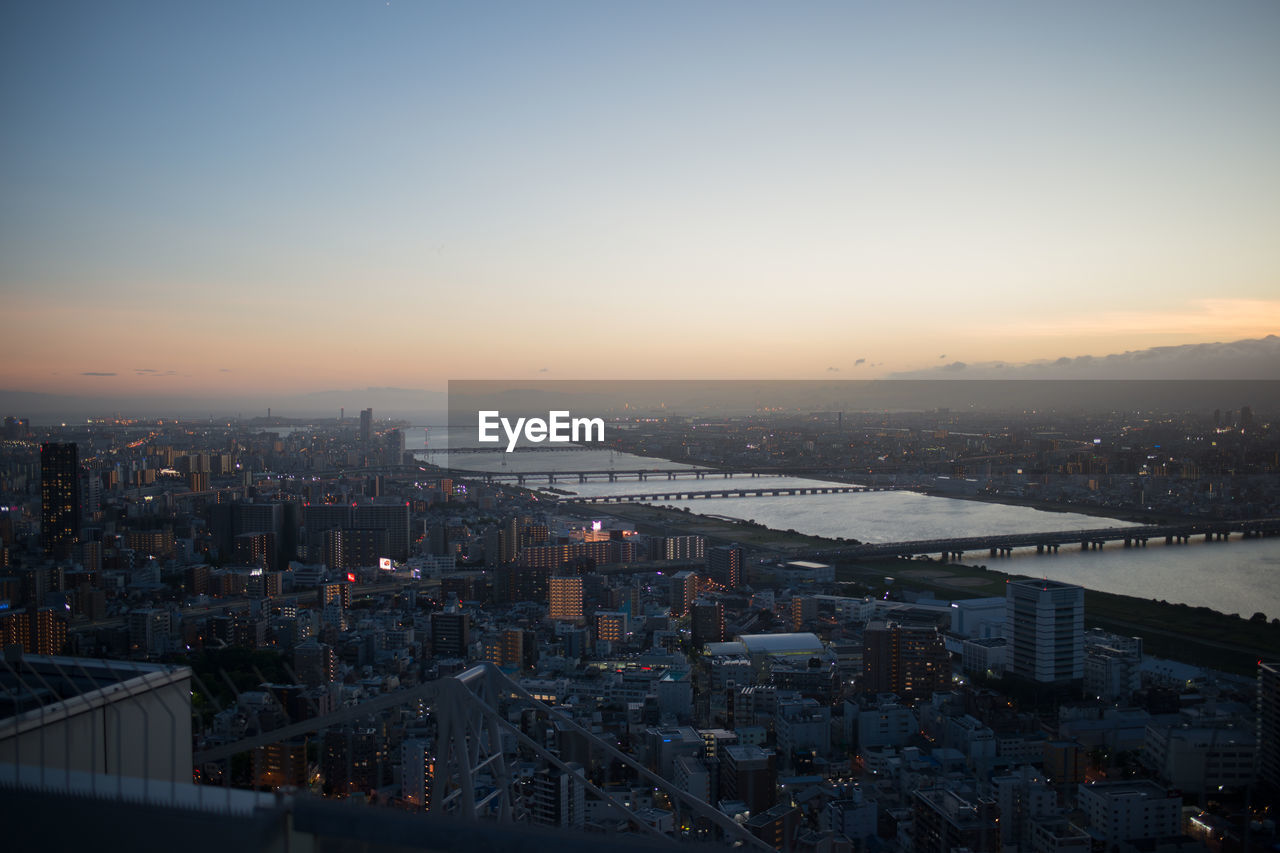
1195,635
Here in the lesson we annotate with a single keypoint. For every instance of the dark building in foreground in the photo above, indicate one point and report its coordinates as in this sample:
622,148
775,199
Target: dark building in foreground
59,499
1269,723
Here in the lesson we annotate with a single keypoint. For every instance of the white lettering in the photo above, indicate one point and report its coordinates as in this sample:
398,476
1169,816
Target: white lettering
513,435
559,428
588,424
536,430
559,422
488,421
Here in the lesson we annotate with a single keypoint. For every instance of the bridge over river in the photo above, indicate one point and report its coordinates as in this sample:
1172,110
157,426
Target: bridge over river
1135,536
686,494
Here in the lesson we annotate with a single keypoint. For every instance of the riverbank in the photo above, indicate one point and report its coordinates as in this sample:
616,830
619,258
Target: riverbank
1131,514
1194,635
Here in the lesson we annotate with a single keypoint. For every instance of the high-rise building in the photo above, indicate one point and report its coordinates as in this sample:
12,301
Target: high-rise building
909,660
1044,624
678,548
684,591
366,425
707,622
417,771
724,565
391,515
59,499
565,595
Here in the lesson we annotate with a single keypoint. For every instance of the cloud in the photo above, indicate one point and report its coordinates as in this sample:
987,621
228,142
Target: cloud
1203,318
97,373
944,355
142,370
833,370
543,370
860,361
224,370
1246,359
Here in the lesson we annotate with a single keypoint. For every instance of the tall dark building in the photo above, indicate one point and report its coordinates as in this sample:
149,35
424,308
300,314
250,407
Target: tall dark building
724,565
1269,723
450,634
1044,624
707,622
910,660
59,499
366,425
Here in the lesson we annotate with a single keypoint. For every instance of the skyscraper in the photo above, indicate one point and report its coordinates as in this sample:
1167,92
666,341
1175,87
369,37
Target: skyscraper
1044,624
59,499
366,425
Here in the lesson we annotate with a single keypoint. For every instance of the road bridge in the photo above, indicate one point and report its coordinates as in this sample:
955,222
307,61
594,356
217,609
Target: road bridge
777,491
1050,542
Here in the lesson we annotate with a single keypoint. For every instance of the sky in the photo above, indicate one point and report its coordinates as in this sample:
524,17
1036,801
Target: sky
246,198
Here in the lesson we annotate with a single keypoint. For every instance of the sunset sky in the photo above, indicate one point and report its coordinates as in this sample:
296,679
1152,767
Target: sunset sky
229,198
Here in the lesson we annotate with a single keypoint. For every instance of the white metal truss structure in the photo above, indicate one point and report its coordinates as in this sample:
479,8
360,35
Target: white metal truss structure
473,776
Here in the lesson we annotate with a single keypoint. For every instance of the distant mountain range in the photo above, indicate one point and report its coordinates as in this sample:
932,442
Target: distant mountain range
412,404
1247,359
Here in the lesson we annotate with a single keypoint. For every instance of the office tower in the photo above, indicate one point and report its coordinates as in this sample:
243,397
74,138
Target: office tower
1044,624
366,425
724,565
1269,723
909,660
565,598
59,499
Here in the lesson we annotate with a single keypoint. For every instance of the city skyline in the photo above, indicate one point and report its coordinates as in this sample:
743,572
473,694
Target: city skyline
254,203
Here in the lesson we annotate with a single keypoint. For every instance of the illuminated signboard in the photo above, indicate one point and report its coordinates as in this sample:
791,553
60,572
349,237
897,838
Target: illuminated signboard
384,563
351,577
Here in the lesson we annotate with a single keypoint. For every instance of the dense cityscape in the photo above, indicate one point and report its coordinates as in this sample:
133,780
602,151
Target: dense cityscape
296,596
501,427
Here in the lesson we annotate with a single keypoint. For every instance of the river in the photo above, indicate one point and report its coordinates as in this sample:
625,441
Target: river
1240,576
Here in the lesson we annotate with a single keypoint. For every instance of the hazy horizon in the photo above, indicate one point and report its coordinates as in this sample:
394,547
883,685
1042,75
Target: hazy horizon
232,203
